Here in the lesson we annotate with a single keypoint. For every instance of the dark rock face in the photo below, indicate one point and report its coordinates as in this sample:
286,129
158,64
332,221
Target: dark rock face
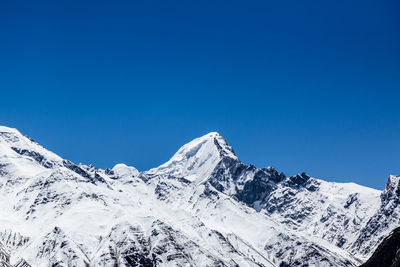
353,198
388,252
299,179
386,216
69,165
257,189
35,156
248,184
78,170
227,170
260,186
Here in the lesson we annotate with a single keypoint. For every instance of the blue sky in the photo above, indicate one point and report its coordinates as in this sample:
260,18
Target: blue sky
300,85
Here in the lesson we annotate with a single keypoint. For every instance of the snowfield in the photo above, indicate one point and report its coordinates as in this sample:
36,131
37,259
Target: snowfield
203,207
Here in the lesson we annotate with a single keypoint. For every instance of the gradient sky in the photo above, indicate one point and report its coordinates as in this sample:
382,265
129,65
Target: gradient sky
300,85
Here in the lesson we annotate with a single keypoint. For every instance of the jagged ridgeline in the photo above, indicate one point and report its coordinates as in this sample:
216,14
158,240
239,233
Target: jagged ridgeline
203,207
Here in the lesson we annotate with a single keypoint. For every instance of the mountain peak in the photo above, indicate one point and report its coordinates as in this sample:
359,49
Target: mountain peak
197,159
392,186
16,148
122,170
219,141
212,134
9,135
8,129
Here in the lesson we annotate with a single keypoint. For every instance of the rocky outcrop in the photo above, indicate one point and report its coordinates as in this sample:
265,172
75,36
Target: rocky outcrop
5,259
386,218
388,252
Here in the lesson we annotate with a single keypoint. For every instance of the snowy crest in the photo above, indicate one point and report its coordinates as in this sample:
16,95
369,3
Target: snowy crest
123,170
12,139
196,160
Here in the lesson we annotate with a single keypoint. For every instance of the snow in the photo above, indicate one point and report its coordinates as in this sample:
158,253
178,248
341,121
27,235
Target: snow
156,213
123,170
196,160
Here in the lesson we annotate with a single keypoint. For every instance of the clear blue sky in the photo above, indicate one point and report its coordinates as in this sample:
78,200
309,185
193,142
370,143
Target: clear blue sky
300,85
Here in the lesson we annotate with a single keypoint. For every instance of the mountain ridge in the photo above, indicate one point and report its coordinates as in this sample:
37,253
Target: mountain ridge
252,216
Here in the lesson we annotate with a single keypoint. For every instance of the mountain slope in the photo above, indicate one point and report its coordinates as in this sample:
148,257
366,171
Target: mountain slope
385,219
388,252
203,207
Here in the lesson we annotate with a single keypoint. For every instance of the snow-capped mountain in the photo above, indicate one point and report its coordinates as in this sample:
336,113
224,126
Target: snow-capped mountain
203,207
